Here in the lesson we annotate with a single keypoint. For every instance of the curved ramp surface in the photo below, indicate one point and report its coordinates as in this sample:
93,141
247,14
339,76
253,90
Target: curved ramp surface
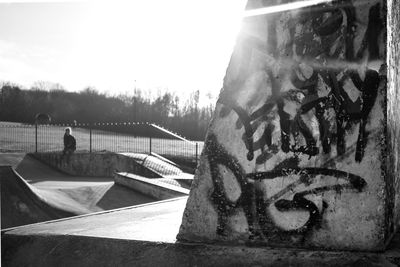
21,204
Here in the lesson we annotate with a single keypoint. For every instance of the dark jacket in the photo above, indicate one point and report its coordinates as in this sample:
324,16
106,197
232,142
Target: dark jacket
69,142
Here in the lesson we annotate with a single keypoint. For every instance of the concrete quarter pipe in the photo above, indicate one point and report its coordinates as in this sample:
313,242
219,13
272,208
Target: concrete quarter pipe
21,204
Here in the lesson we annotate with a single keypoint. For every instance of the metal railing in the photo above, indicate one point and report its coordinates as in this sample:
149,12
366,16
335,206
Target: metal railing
94,137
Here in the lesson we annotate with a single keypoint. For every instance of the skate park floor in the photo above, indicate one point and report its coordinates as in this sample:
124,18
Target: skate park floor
145,235
49,188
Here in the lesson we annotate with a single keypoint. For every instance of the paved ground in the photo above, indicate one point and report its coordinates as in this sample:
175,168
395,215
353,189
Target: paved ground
158,221
145,236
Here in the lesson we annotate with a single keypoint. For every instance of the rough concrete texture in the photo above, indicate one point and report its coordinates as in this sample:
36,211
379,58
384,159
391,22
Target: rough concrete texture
296,152
393,96
145,236
95,164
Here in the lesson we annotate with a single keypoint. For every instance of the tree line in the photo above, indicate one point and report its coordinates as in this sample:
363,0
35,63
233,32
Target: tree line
184,116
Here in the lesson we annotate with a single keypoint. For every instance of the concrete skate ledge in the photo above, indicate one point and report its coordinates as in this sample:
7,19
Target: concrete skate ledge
149,187
83,163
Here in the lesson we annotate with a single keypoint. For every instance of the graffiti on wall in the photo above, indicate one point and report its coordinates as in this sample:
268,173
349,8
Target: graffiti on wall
252,199
321,63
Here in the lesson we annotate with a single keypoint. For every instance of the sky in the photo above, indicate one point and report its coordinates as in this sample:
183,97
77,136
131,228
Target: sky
118,45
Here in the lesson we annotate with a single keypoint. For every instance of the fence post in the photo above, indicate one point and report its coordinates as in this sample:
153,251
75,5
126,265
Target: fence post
90,138
150,144
197,152
36,137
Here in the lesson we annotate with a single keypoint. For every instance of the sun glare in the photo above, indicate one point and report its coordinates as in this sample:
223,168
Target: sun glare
179,45
283,7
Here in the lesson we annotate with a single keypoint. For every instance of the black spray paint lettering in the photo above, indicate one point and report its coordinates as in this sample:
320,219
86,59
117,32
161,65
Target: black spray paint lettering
252,200
346,111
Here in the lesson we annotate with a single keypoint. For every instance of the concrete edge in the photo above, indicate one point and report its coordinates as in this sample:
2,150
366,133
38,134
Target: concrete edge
3,231
163,159
150,187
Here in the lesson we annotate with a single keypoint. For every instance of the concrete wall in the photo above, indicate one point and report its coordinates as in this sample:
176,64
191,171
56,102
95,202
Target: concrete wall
296,152
94,164
150,187
393,95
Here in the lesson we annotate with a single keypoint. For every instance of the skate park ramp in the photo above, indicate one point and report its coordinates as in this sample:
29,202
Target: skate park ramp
167,171
159,165
52,195
22,204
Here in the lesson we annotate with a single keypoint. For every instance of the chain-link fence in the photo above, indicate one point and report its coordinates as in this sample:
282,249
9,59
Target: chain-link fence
94,137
